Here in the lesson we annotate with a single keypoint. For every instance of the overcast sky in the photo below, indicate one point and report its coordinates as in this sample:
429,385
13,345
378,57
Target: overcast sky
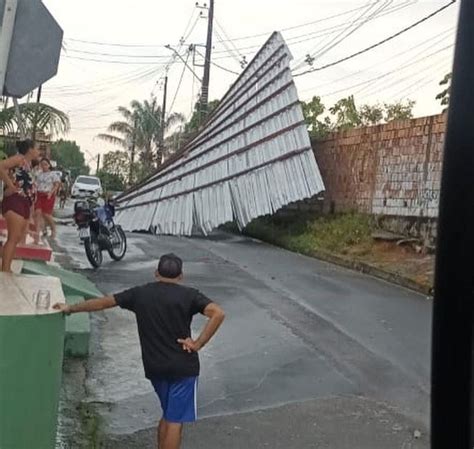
90,89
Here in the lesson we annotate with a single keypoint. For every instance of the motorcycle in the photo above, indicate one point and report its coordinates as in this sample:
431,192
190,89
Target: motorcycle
98,232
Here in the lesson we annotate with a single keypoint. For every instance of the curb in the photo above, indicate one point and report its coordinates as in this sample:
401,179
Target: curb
78,330
361,267
371,270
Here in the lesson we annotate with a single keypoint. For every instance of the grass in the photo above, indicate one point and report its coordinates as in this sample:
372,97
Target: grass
343,233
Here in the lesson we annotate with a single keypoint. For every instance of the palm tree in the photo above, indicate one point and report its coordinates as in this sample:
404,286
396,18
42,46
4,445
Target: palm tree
35,117
140,129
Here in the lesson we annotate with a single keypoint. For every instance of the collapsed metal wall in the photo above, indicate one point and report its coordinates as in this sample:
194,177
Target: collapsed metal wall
253,157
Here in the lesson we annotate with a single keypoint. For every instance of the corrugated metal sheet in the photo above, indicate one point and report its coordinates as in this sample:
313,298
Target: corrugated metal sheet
252,158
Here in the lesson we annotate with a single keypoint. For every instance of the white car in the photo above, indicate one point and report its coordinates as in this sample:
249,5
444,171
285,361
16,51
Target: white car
85,186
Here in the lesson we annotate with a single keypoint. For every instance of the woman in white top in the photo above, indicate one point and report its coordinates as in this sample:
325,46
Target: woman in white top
47,183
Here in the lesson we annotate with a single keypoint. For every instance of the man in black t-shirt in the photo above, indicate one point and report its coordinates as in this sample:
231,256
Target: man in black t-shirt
164,311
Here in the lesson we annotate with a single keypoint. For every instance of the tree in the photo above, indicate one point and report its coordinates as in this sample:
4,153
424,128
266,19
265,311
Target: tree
196,119
117,163
68,155
141,129
36,117
371,114
399,110
346,113
444,95
111,182
312,110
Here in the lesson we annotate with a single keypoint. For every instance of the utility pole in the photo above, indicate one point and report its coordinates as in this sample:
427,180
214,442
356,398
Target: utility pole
98,164
38,94
38,100
132,152
161,148
207,63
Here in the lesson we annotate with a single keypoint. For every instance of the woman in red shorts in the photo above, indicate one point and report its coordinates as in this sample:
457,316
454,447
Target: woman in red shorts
18,197
47,184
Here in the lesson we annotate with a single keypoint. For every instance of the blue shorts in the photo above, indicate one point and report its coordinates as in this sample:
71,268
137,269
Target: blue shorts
178,399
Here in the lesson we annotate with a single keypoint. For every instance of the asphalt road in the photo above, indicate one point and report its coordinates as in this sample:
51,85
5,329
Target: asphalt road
311,355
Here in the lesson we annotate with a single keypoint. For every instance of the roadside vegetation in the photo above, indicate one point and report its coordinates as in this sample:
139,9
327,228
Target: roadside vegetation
342,233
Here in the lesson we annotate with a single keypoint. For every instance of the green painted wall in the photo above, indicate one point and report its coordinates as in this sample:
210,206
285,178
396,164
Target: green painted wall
31,356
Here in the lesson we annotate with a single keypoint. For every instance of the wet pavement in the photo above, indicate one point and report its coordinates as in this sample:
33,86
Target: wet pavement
310,355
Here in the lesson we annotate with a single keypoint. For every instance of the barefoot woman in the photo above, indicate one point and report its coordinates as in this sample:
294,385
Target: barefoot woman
18,197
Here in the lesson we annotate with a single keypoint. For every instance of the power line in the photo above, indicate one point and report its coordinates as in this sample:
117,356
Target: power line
363,83
179,83
299,39
116,55
348,32
378,44
217,65
110,44
354,20
108,61
370,89
439,37
114,44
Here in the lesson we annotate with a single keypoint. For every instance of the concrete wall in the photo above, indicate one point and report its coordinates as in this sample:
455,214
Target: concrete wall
391,170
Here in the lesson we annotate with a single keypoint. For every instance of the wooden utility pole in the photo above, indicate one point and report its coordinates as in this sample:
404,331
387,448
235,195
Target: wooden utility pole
161,148
35,124
132,152
98,164
207,63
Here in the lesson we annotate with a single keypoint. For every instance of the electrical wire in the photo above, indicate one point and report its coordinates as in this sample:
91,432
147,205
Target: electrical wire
384,75
112,44
217,65
352,21
378,44
343,36
179,83
439,37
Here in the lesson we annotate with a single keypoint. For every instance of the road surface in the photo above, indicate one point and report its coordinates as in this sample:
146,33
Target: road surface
310,356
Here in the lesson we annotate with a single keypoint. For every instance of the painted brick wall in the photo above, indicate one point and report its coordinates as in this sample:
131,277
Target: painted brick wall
391,170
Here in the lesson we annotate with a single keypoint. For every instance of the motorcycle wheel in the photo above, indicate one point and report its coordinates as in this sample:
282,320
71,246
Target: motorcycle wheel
118,243
93,253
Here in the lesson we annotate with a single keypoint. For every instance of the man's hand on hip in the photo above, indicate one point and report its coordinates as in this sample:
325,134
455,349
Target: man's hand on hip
189,344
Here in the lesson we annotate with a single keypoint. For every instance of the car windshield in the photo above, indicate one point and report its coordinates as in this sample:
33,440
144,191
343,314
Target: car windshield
87,180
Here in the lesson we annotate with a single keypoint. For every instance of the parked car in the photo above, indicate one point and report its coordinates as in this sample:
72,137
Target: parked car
86,186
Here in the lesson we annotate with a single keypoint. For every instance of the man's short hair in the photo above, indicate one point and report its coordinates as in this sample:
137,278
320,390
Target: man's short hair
170,266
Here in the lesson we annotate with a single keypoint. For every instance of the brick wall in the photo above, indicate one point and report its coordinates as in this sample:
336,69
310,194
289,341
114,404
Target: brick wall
391,170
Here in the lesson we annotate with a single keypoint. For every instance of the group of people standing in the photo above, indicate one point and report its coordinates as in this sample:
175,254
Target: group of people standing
30,189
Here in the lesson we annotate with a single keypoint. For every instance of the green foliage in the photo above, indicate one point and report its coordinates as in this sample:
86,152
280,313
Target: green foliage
445,94
399,110
197,118
312,110
141,128
336,233
111,182
36,117
3,154
371,114
117,163
69,156
346,113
